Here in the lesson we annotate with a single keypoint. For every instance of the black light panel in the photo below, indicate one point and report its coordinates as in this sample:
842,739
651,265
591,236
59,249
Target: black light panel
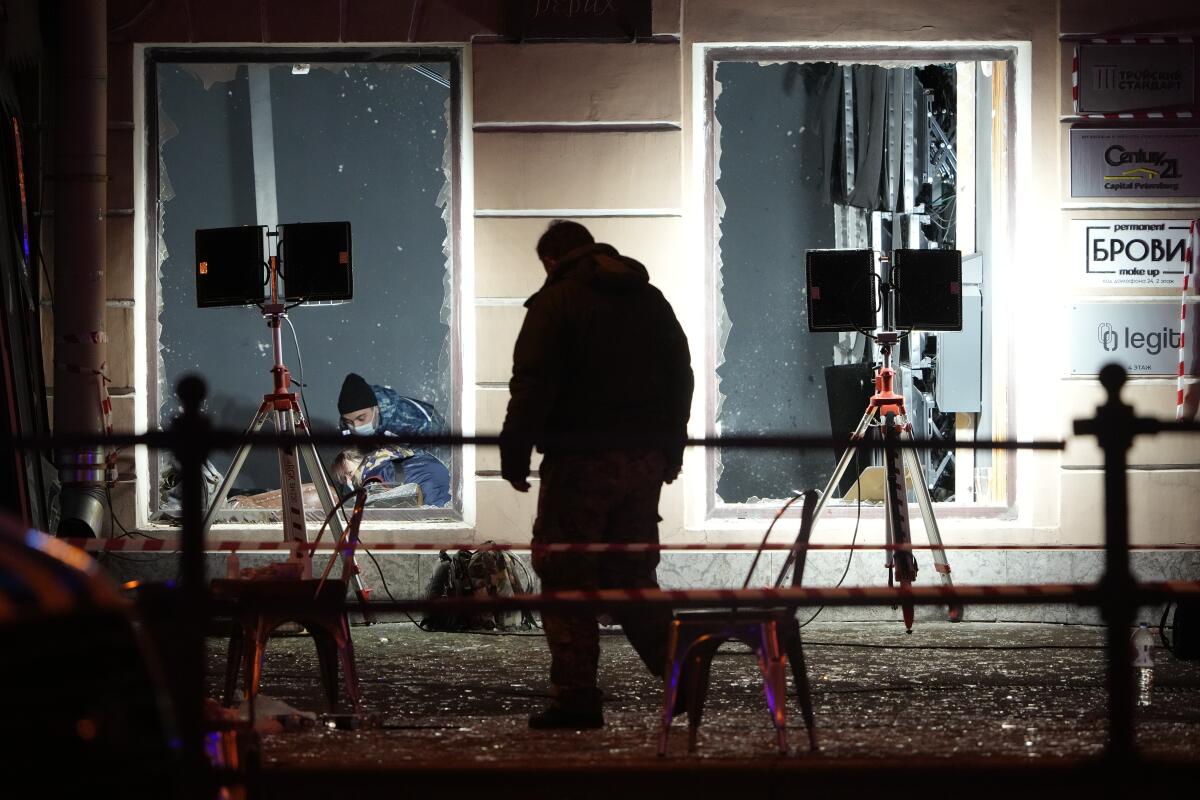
928,289
229,266
841,292
316,261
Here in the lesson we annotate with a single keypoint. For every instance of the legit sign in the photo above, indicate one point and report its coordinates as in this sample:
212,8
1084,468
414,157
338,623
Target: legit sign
1141,337
1131,252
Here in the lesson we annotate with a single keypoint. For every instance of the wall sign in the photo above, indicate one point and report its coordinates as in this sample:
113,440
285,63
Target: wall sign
1131,252
1134,75
1141,337
597,20
1135,162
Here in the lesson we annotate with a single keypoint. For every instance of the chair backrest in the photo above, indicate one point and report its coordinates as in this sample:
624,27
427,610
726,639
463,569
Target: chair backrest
798,555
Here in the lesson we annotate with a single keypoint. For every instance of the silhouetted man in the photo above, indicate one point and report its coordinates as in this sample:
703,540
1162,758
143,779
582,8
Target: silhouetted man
601,362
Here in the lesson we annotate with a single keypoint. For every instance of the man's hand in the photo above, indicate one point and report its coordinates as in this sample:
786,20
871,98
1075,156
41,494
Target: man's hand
521,485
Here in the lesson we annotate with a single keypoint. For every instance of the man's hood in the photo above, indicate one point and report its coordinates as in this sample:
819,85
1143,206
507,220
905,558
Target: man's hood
601,267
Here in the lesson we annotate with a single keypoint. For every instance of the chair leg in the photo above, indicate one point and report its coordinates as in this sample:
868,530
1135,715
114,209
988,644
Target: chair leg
233,663
770,661
327,659
258,632
701,665
345,647
672,672
795,654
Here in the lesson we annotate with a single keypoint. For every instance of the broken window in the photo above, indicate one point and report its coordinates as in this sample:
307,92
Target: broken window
271,142
831,154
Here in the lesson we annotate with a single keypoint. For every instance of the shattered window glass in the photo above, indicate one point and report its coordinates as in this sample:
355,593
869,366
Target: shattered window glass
273,143
815,156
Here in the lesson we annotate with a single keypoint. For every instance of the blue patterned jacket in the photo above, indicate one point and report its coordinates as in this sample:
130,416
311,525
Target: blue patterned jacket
403,416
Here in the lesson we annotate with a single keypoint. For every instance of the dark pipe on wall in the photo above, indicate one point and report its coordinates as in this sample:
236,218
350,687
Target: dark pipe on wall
80,206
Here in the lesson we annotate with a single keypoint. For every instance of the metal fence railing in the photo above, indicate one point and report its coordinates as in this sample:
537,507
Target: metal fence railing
192,437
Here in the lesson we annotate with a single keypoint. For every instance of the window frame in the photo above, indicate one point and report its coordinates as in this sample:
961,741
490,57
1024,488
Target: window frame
888,54
147,223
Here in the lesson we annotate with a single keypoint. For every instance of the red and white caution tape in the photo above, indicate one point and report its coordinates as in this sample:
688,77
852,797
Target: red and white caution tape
79,369
87,337
1015,594
174,545
1189,296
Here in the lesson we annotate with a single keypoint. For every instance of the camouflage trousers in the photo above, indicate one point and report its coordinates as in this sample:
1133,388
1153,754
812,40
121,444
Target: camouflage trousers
609,497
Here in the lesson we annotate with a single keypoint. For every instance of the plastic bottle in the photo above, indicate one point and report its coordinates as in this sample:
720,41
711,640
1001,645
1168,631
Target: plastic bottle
1143,663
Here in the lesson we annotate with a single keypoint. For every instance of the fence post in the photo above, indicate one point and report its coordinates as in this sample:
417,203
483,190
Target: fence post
191,446
1114,427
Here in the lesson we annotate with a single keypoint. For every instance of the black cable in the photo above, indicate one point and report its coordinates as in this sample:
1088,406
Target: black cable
45,275
112,515
114,520
766,536
300,363
340,504
388,592
134,19
854,538
1162,628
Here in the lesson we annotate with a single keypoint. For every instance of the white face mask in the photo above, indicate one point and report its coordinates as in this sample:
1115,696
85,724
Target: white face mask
365,429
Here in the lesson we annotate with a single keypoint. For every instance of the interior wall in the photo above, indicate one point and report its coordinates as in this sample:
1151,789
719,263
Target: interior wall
607,134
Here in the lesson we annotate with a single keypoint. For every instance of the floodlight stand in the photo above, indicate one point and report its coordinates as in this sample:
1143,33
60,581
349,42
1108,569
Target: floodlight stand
886,409
282,404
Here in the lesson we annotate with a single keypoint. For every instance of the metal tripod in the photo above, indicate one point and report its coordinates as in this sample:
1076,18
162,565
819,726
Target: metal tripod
886,409
282,404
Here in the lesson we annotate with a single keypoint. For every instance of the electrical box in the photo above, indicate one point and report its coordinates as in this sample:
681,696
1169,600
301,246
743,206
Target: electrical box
959,385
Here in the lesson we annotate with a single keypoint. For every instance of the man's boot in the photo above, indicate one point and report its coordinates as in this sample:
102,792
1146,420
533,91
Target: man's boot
572,709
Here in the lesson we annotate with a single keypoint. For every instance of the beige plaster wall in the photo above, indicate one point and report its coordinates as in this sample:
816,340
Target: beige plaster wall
609,134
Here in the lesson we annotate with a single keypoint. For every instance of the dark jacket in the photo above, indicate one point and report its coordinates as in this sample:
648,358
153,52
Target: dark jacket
600,355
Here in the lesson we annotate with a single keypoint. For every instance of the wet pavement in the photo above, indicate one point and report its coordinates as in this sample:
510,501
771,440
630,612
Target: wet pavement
1013,693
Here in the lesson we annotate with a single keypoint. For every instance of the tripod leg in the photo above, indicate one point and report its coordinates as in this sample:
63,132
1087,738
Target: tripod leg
896,512
292,496
838,471
844,463
350,571
940,563
239,459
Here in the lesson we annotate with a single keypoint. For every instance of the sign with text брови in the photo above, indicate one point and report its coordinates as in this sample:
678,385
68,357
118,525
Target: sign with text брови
1131,252
1135,162
1143,337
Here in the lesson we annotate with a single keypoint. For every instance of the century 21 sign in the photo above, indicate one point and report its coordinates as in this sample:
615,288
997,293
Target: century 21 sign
1135,162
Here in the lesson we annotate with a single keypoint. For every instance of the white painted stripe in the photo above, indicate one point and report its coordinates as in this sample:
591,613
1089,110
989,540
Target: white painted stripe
566,213
582,125
262,137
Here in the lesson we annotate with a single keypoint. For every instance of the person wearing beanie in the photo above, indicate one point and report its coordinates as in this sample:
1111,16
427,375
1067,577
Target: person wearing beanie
368,409
358,406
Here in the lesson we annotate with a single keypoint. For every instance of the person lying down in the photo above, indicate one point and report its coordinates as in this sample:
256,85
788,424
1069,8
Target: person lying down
394,466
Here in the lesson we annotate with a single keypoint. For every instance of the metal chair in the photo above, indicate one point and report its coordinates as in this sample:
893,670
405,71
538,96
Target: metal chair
772,634
260,606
